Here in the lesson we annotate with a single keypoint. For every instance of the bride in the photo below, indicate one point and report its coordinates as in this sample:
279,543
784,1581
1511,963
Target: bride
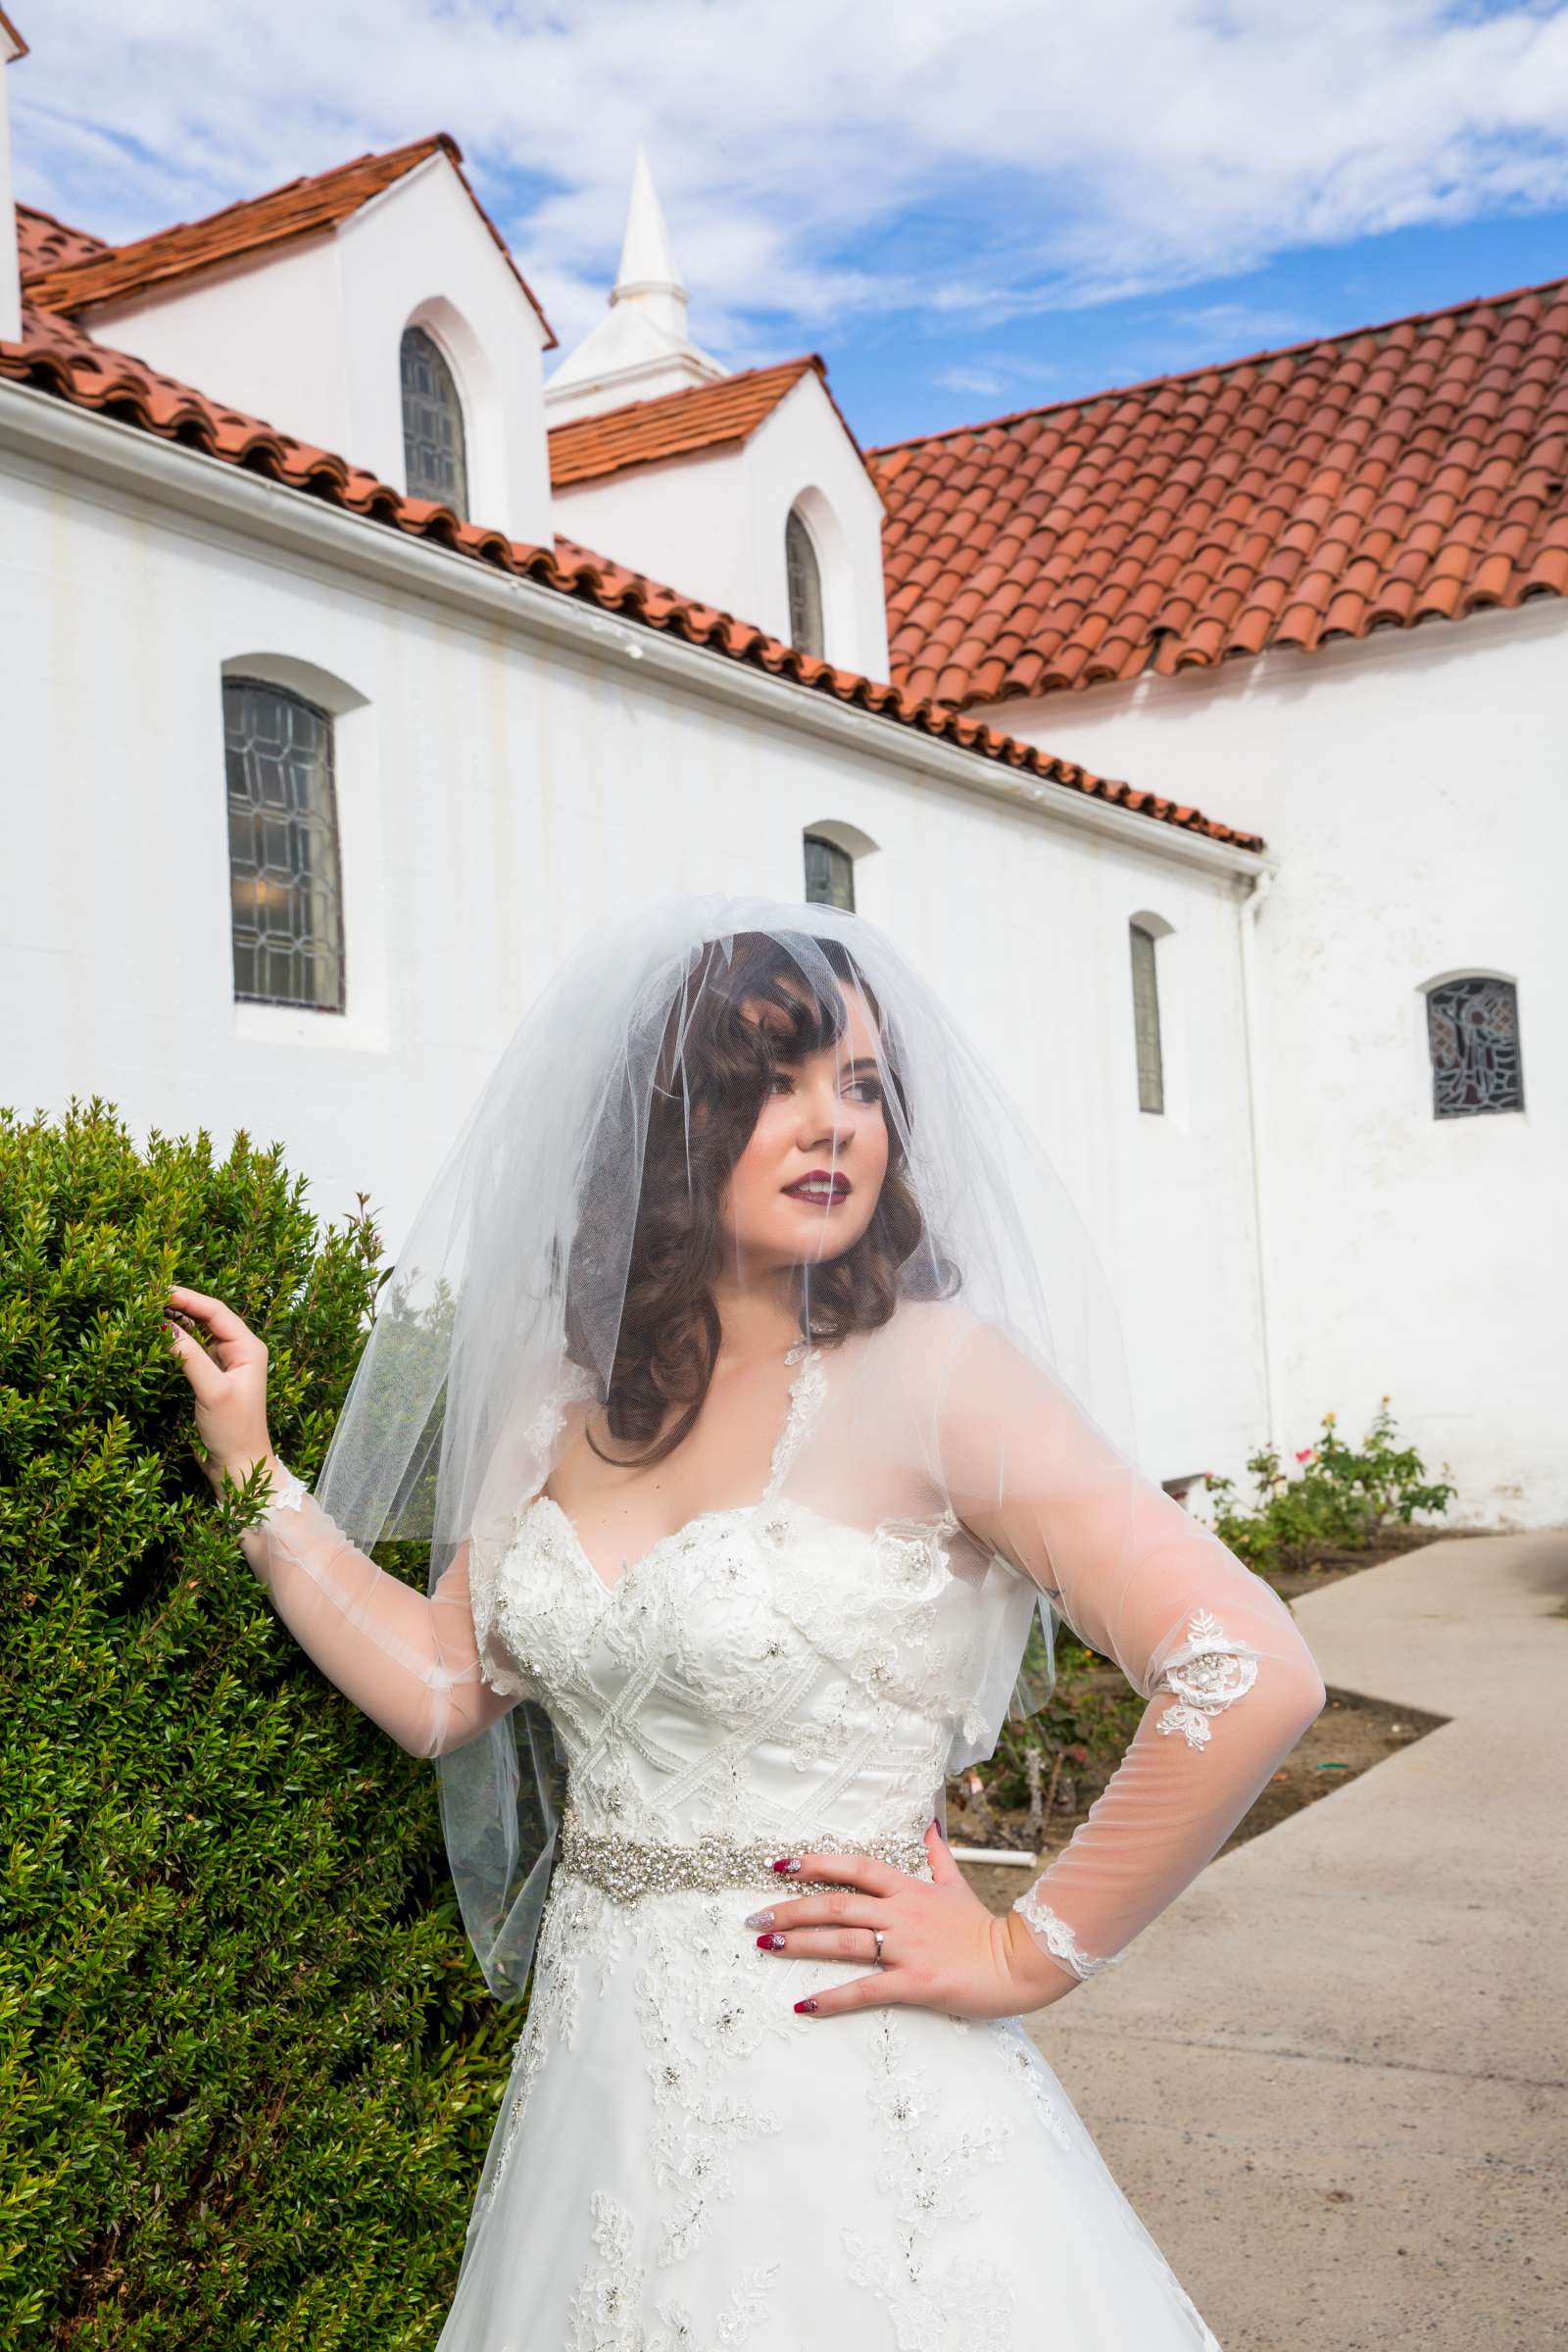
752,1382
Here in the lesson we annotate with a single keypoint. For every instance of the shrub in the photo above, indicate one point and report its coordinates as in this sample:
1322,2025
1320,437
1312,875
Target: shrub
1341,1498
248,2068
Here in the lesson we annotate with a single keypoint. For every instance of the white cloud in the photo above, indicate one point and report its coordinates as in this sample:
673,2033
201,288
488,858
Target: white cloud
819,163
986,383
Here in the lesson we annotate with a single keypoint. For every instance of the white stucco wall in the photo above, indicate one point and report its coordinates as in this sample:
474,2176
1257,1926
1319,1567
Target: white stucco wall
307,336
497,797
712,526
1414,790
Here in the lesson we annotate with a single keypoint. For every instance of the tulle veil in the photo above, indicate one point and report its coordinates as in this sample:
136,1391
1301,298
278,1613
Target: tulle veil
507,1301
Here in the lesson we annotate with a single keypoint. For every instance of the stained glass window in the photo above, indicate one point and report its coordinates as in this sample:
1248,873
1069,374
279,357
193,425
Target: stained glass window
1145,1020
285,881
435,461
830,874
805,587
1473,1033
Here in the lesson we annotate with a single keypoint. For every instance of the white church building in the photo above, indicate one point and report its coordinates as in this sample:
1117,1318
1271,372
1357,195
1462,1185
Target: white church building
1202,739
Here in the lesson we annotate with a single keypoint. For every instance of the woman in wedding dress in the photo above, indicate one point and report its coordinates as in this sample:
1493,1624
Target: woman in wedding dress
741,1377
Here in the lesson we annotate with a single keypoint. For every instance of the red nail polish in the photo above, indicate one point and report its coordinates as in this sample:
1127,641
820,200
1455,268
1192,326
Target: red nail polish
809,2004
787,1863
771,1944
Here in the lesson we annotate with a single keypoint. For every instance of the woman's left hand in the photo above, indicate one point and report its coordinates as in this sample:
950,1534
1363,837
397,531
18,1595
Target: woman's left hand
941,1947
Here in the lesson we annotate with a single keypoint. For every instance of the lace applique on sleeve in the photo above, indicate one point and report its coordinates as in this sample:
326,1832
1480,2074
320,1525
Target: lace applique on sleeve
1059,1939
290,1495
1208,1674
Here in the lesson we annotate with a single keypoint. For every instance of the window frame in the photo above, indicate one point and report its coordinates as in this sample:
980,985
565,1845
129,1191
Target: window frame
802,562
241,682
1472,979
1145,973
837,858
461,503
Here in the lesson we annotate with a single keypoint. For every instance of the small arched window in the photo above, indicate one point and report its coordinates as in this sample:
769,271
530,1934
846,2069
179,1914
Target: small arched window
1145,1019
1473,1037
805,587
434,456
285,875
830,874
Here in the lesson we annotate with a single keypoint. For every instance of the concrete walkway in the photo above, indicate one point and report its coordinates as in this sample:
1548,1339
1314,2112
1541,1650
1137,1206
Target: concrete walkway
1332,2078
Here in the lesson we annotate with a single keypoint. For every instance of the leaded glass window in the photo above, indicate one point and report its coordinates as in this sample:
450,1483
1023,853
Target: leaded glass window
805,587
829,874
1473,1033
285,877
434,455
1145,1020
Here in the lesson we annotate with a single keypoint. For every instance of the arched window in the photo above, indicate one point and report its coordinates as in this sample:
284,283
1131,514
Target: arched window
1473,1037
1145,1019
435,463
805,587
830,874
285,877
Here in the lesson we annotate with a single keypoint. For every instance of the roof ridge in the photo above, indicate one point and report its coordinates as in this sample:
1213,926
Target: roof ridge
1246,358
429,146
718,383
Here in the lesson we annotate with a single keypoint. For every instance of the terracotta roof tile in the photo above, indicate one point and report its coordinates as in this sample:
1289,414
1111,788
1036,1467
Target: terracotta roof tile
677,425
56,357
44,243
308,206
1411,472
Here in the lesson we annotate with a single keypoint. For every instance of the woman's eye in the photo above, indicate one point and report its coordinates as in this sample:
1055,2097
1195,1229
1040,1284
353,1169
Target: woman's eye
865,1090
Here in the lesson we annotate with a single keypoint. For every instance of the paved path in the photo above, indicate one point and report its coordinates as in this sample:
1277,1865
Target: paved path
1332,2077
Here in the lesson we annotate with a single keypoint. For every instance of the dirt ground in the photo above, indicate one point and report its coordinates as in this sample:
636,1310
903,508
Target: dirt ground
1349,1736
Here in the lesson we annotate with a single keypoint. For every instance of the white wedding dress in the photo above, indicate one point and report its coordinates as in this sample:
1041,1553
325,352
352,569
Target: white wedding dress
679,2160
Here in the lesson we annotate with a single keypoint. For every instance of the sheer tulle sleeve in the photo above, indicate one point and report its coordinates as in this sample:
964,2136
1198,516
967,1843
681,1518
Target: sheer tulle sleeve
1231,1681
409,1660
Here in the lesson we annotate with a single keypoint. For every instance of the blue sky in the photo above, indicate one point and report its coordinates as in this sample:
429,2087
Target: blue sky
966,211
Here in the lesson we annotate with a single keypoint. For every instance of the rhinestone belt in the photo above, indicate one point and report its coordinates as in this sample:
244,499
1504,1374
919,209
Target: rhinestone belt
628,1868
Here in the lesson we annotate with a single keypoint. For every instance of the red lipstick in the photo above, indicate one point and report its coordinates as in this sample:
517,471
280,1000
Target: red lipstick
823,1188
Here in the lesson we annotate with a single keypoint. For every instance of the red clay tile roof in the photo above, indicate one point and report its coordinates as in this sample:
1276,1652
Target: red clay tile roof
677,424
303,208
1371,480
56,357
18,42
44,243
672,425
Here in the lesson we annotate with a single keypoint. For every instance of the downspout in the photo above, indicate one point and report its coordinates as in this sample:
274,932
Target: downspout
1250,907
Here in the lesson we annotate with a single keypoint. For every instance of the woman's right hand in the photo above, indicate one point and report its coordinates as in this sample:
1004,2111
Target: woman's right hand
230,1384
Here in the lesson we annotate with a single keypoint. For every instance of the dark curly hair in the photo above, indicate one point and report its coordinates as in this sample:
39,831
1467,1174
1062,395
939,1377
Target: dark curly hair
714,1064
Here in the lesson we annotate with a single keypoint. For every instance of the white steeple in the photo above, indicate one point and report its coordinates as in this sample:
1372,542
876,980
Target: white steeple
643,347
649,273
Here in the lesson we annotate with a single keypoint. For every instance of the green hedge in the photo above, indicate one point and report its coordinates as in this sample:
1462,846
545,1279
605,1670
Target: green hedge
248,2067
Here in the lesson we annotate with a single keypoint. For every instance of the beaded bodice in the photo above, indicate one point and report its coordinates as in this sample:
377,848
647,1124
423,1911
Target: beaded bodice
760,1671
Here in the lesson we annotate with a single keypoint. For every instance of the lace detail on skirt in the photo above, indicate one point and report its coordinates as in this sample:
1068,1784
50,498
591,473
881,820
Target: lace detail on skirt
606,2310
929,2173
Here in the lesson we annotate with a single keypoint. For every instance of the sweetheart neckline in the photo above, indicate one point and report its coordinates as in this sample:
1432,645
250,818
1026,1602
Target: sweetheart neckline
803,1394
942,1526
732,1510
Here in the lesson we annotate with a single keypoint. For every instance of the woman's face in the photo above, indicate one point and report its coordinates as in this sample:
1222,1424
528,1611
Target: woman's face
805,1187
